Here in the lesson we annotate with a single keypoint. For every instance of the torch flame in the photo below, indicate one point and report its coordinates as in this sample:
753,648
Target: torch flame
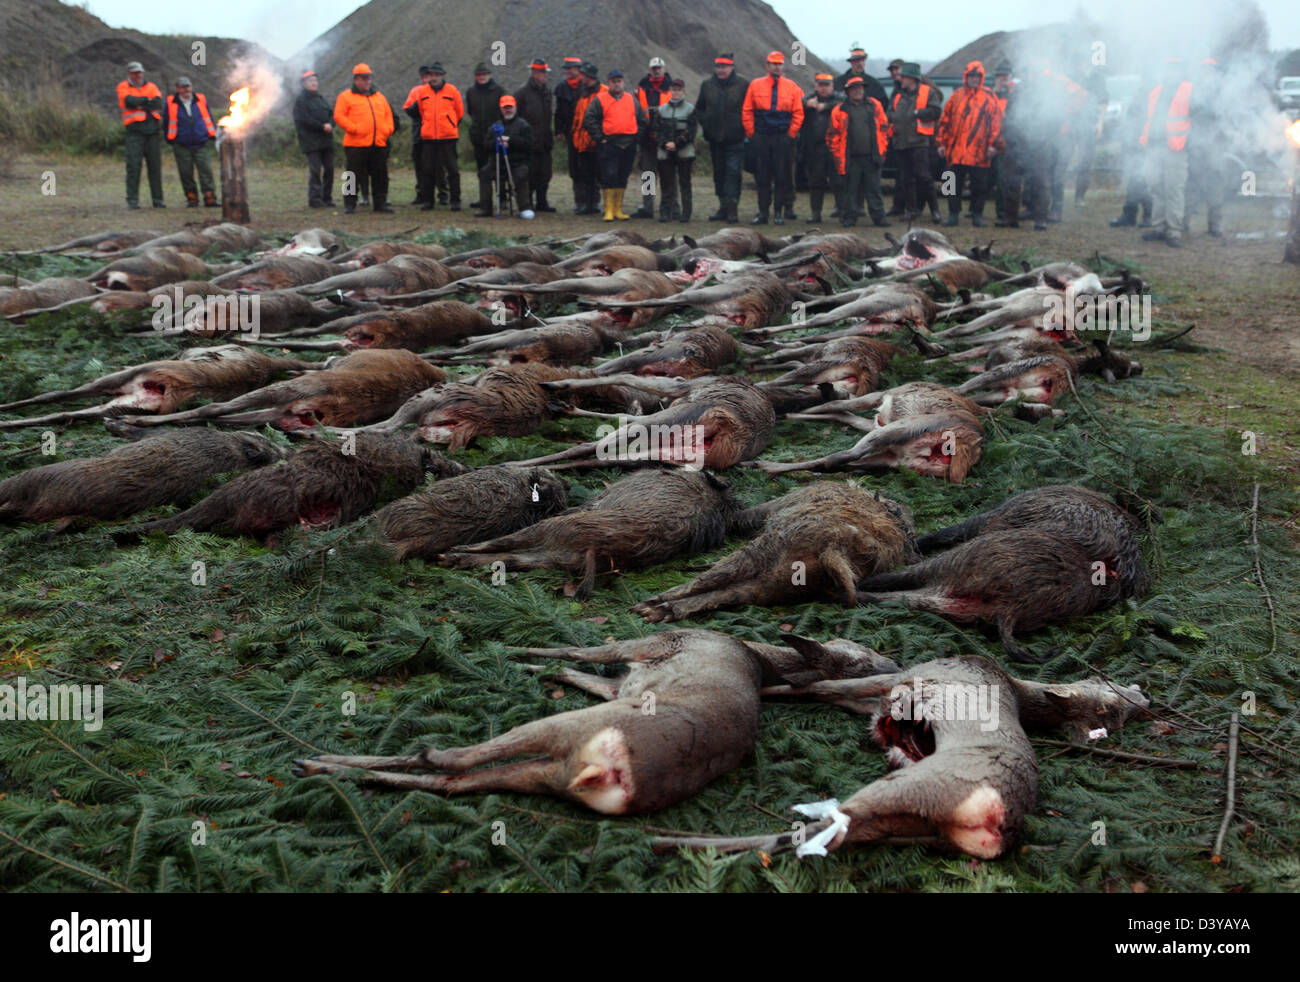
238,105
1293,132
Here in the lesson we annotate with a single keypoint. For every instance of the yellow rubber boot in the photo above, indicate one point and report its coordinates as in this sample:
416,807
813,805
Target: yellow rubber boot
618,204
608,194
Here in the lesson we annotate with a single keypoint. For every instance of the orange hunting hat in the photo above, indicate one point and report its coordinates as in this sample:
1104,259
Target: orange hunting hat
724,59
361,68
506,100
776,58
308,74
823,77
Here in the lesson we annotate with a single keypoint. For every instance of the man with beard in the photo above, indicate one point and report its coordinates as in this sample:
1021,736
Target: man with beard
510,145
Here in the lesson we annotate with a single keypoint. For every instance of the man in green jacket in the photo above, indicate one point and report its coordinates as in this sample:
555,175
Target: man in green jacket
141,105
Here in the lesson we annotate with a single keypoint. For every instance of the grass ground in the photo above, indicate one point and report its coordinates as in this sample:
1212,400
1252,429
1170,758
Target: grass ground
212,689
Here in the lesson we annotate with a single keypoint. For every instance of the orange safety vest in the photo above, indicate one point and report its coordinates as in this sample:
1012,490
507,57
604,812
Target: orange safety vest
837,134
618,116
922,97
1178,122
645,103
147,91
582,141
173,114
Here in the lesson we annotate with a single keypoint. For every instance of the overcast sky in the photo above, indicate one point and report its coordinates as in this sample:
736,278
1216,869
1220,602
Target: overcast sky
939,28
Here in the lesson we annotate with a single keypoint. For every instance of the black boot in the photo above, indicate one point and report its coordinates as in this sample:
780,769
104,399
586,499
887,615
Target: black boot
732,206
1127,218
759,219
721,214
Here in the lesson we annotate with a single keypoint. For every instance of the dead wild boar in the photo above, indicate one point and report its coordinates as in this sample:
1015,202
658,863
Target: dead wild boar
956,779
1017,579
1090,519
643,519
356,389
1036,372
148,269
163,469
323,484
815,542
717,423
401,274
278,273
218,373
485,503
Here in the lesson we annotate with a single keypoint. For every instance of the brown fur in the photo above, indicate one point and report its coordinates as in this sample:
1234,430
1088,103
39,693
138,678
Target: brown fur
401,274
277,310
373,253
817,541
482,504
218,373
610,260
224,237
441,322
499,256
1025,565
319,486
850,366
684,354
359,388
616,758
278,273
148,269
43,293
167,468
643,519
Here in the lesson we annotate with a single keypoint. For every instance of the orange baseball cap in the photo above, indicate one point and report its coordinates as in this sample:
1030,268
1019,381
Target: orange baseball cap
776,58
506,100
823,77
361,68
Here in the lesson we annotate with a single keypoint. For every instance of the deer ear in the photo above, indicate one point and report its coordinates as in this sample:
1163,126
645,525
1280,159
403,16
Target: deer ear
1060,697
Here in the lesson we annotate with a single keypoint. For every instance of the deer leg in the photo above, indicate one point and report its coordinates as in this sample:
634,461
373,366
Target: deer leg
597,685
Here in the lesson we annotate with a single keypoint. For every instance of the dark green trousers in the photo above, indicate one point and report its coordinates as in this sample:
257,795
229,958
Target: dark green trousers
190,159
862,182
146,147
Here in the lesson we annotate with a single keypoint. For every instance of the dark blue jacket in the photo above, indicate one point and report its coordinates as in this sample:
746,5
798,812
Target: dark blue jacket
190,131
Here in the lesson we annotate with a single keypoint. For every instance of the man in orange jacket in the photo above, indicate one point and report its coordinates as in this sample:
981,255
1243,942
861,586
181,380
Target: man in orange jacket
141,106
367,121
613,120
970,125
585,166
1165,136
772,114
438,107
417,156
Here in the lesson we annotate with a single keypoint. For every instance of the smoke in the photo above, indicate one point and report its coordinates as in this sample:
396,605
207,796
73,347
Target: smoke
266,87
1232,104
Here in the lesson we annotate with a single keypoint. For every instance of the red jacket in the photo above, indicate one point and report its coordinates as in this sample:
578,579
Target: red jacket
971,123
757,112
837,134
